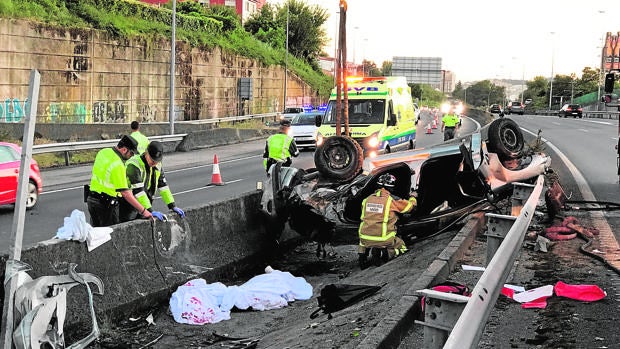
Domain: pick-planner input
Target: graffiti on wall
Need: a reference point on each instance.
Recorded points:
(109, 112)
(67, 113)
(12, 110)
(147, 113)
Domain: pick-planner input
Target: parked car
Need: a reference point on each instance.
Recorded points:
(303, 129)
(574, 110)
(495, 109)
(515, 108)
(448, 180)
(10, 157)
(289, 113)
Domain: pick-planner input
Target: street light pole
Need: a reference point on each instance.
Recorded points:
(288, 4)
(552, 56)
(172, 64)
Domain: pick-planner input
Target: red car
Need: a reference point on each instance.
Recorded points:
(10, 156)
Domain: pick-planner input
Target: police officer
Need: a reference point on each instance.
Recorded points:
(143, 142)
(109, 183)
(449, 122)
(377, 231)
(145, 175)
(280, 147)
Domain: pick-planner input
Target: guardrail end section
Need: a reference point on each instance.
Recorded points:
(441, 311)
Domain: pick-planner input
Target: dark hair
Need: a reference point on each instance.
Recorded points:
(135, 125)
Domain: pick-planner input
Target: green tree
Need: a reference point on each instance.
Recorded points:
(485, 93)
(306, 36)
(386, 68)
(459, 91)
(370, 68)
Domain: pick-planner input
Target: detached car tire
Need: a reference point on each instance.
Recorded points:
(505, 139)
(339, 157)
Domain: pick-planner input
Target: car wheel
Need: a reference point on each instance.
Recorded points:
(505, 139)
(33, 196)
(339, 157)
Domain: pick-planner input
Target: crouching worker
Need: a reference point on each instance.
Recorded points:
(377, 231)
(145, 175)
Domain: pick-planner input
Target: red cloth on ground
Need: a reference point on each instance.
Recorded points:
(588, 293)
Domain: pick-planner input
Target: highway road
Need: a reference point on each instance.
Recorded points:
(188, 174)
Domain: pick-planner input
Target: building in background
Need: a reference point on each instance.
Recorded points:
(244, 8)
(424, 70)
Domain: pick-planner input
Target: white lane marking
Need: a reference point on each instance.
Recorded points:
(208, 186)
(211, 164)
(583, 129)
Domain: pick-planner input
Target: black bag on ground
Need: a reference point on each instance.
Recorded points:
(336, 297)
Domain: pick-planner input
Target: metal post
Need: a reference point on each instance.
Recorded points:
(498, 226)
(520, 193)
(551, 87)
(441, 312)
(172, 64)
(17, 232)
(288, 4)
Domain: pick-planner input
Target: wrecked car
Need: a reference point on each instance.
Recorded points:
(449, 180)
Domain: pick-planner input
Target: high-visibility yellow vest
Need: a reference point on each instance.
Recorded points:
(109, 175)
(143, 142)
(278, 147)
(149, 180)
(450, 120)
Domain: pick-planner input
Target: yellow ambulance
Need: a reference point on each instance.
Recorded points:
(382, 117)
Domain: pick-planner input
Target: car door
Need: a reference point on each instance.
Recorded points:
(9, 170)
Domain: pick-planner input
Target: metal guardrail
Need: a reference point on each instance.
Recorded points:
(603, 114)
(68, 147)
(465, 318)
(275, 116)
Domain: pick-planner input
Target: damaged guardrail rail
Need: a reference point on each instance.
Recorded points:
(454, 321)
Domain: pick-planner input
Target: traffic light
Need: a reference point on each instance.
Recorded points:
(606, 99)
(609, 82)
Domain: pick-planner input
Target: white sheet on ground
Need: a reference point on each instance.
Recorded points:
(198, 303)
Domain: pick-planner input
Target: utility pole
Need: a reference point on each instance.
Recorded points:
(172, 64)
(288, 5)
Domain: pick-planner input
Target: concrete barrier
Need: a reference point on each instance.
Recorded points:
(144, 262)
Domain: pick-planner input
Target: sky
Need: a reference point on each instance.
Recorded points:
(479, 39)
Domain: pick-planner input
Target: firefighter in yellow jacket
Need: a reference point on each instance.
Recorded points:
(377, 231)
(145, 176)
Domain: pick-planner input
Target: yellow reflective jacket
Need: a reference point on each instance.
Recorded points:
(145, 181)
(379, 215)
(109, 176)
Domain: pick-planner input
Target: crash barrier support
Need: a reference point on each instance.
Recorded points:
(444, 310)
(498, 226)
(145, 261)
(520, 193)
(467, 330)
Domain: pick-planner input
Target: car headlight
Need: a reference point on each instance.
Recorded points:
(373, 141)
(319, 139)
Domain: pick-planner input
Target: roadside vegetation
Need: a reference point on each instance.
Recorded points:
(203, 27)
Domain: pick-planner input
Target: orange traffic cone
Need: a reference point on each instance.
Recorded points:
(428, 129)
(434, 123)
(216, 178)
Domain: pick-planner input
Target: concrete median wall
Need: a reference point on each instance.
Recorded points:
(144, 262)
